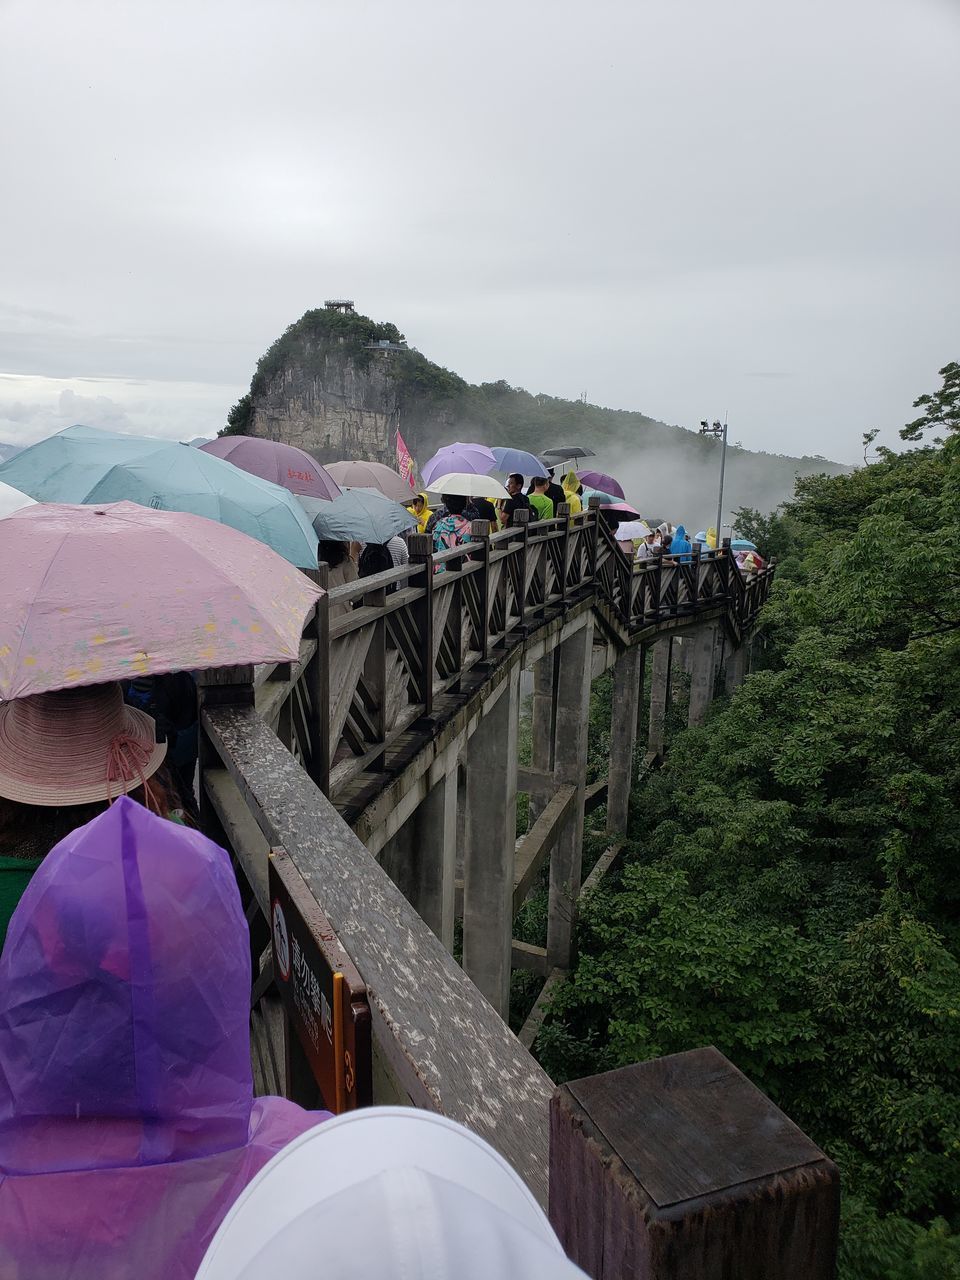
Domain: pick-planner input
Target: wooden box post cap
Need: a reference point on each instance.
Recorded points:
(681, 1169)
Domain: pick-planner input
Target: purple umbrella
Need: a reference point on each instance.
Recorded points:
(476, 459)
(599, 480)
(283, 464)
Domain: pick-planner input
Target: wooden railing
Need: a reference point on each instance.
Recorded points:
(400, 645)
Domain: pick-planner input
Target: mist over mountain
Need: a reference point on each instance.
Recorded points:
(340, 385)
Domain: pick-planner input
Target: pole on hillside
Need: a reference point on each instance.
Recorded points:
(719, 429)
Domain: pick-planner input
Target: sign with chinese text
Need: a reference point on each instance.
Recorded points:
(322, 992)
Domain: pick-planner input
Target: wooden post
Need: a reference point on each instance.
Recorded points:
(480, 533)
(317, 679)
(521, 521)
(420, 550)
(681, 1169)
(218, 687)
(375, 666)
(563, 511)
(593, 506)
(656, 586)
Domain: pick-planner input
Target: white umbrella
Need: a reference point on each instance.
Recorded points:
(468, 486)
(630, 530)
(12, 500)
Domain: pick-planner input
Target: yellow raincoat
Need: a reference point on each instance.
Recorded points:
(570, 486)
(712, 538)
(423, 515)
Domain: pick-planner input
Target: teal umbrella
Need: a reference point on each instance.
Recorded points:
(358, 515)
(84, 465)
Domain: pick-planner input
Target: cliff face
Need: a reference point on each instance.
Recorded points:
(327, 404)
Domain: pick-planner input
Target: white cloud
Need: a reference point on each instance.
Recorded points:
(32, 408)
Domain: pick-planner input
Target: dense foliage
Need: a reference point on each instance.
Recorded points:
(792, 890)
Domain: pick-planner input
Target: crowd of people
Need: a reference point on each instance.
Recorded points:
(449, 524)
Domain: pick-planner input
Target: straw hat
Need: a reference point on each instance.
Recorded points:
(75, 746)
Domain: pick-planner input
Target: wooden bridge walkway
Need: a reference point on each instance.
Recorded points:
(368, 793)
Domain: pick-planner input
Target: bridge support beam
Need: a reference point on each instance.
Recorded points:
(573, 713)
(627, 684)
(659, 692)
(734, 668)
(702, 676)
(421, 858)
(543, 725)
(490, 843)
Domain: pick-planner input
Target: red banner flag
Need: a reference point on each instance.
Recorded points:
(405, 464)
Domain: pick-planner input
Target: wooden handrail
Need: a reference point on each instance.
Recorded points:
(480, 1075)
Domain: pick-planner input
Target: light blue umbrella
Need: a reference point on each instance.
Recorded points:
(741, 544)
(84, 465)
(525, 464)
(358, 515)
(606, 499)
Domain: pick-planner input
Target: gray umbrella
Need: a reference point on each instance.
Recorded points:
(358, 515)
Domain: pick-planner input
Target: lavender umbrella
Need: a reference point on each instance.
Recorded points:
(476, 459)
(600, 480)
(282, 464)
(128, 1124)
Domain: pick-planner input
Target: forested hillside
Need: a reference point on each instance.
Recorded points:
(791, 891)
(322, 386)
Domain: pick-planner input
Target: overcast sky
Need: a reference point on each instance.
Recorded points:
(685, 207)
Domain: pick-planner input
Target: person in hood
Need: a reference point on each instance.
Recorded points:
(680, 544)
(420, 508)
(128, 1124)
(393, 1193)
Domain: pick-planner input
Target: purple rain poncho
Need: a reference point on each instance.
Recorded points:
(128, 1124)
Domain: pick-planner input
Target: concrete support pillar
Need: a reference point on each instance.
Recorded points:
(702, 677)
(434, 862)
(573, 713)
(683, 653)
(627, 679)
(543, 723)
(659, 692)
(420, 858)
(491, 833)
(734, 668)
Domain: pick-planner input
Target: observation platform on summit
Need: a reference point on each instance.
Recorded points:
(368, 793)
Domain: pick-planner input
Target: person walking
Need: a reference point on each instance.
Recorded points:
(518, 500)
(540, 500)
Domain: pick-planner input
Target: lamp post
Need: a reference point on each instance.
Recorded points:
(718, 429)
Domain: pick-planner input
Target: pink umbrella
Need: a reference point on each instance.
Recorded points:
(282, 464)
(622, 509)
(92, 594)
(371, 475)
(475, 459)
(600, 480)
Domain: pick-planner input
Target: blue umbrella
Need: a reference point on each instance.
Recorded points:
(741, 544)
(84, 465)
(606, 499)
(518, 460)
(358, 515)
